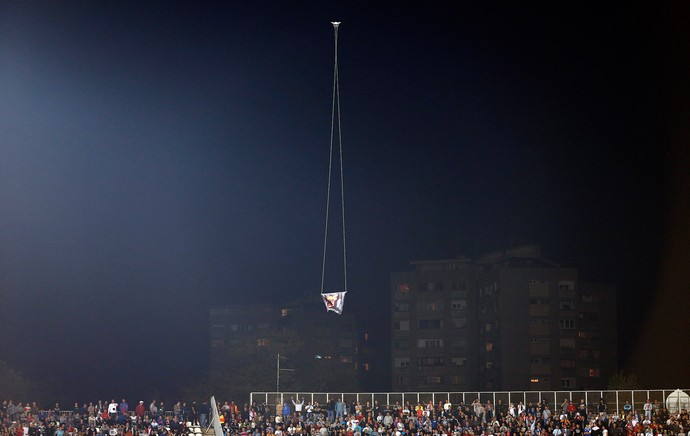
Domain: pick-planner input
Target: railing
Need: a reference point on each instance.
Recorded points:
(673, 399)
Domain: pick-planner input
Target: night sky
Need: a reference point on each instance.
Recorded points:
(158, 159)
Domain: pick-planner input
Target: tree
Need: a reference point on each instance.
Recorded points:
(13, 384)
(622, 381)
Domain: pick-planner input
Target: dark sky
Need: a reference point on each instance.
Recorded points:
(157, 159)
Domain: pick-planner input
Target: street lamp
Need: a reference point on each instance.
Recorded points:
(278, 369)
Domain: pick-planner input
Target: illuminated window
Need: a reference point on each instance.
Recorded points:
(594, 372)
(432, 306)
(489, 346)
(345, 359)
(262, 342)
(284, 312)
(429, 343)
(534, 380)
(403, 288)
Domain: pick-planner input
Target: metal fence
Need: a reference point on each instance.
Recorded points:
(673, 399)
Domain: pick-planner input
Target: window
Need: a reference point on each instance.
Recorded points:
(459, 361)
(567, 363)
(284, 312)
(568, 343)
(404, 288)
(429, 343)
(218, 343)
(567, 324)
(401, 306)
(346, 359)
(458, 285)
(400, 380)
(430, 380)
(594, 372)
(401, 345)
(430, 361)
(458, 380)
(566, 305)
(401, 325)
(217, 330)
(401, 362)
(458, 304)
(425, 324)
(459, 323)
(432, 306)
(434, 286)
(489, 346)
(567, 382)
(459, 342)
(589, 298)
(566, 285)
(262, 342)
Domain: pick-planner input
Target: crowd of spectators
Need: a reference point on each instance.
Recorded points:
(346, 418)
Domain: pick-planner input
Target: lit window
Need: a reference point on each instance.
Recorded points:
(261, 342)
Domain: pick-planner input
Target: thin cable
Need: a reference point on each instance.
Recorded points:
(335, 109)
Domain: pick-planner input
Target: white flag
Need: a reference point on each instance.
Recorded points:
(334, 301)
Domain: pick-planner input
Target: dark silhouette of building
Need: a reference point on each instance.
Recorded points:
(509, 320)
(318, 350)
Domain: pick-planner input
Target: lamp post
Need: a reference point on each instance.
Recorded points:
(278, 369)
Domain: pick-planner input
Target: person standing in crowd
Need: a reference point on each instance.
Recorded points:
(204, 412)
(153, 409)
(140, 410)
(194, 413)
(298, 406)
(112, 411)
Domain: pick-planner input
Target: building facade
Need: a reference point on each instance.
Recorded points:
(295, 346)
(509, 320)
